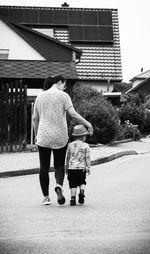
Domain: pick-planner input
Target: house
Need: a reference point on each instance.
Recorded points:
(31, 56)
(139, 78)
(93, 31)
(113, 97)
(141, 83)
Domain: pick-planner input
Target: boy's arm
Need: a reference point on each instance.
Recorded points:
(67, 160)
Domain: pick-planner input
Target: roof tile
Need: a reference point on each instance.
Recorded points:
(36, 69)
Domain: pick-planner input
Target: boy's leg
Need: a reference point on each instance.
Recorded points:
(73, 192)
(81, 195)
(72, 178)
(82, 187)
(73, 196)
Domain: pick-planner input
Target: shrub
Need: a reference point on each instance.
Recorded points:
(134, 111)
(92, 106)
(129, 130)
(146, 126)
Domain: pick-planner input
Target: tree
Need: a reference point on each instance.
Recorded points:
(122, 87)
(91, 105)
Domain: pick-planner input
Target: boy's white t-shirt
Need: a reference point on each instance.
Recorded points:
(78, 155)
(50, 107)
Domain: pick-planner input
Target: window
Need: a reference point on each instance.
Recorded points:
(4, 53)
(47, 31)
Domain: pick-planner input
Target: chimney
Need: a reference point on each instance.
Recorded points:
(65, 5)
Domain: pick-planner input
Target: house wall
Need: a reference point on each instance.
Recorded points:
(136, 82)
(144, 88)
(100, 86)
(18, 48)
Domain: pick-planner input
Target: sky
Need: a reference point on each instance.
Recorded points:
(134, 28)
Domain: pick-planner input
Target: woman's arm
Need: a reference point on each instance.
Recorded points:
(73, 114)
(35, 124)
(35, 120)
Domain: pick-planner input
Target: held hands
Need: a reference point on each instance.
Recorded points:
(35, 139)
(66, 170)
(90, 129)
(88, 171)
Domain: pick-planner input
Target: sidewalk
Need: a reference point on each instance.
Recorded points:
(24, 163)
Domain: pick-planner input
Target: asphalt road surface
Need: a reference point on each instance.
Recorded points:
(115, 218)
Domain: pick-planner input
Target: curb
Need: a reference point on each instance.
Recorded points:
(93, 163)
(120, 141)
(113, 157)
(112, 143)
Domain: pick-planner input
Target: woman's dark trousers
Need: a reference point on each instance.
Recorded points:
(59, 165)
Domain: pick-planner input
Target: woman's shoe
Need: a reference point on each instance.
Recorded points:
(46, 201)
(60, 198)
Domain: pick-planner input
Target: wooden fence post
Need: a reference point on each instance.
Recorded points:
(25, 117)
(13, 116)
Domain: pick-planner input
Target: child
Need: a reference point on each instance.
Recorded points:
(78, 163)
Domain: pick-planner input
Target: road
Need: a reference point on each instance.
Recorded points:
(114, 220)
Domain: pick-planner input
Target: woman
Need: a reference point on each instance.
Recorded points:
(51, 132)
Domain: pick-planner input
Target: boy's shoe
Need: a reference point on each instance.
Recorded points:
(81, 198)
(46, 201)
(60, 198)
(73, 201)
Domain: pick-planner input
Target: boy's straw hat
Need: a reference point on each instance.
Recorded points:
(79, 130)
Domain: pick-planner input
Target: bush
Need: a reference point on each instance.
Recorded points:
(134, 111)
(137, 111)
(129, 130)
(146, 126)
(92, 106)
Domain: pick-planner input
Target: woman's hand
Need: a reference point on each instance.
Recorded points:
(90, 129)
(88, 171)
(66, 171)
(35, 139)
(81, 120)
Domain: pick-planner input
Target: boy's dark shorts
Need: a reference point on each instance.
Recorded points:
(76, 177)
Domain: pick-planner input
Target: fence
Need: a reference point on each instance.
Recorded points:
(13, 116)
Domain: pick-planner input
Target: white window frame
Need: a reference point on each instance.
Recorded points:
(4, 53)
(47, 31)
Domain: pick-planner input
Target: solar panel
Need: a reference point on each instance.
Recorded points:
(76, 33)
(60, 17)
(90, 17)
(91, 33)
(4, 12)
(104, 18)
(83, 24)
(14, 15)
(75, 17)
(30, 16)
(105, 33)
(45, 16)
